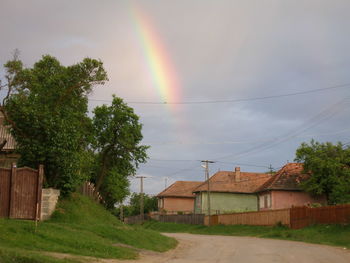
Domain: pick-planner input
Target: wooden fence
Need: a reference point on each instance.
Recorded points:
(136, 219)
(88, 189)
(20, 192)
(304, 216)
(295, 217)
(193, 219)
(259, 218)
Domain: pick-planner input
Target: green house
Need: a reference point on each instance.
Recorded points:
(230, 191)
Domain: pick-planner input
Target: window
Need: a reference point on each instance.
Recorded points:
(265, 201)
(160, 203)
(198, 201)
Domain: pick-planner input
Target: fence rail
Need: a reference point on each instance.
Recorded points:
(20, 192)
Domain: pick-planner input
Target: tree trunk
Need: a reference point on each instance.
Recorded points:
(103, 171)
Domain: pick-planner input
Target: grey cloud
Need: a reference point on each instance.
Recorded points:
(220, 50)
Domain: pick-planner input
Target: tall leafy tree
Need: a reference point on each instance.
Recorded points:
(329, 167)
(47, 107)
(117, 137)
(150, 204)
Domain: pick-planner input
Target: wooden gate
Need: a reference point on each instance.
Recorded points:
(20, 192)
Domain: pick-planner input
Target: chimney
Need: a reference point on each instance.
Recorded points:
(237, 174)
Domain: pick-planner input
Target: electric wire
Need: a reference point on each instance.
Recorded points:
(153, 144)
(233, 100)
(322, 116)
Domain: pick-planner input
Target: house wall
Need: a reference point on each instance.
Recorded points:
(287, 199)
(176, 204)
(226, 203)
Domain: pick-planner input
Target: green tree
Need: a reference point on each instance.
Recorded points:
(150, 204)
(329, 167)
(114, 188)
(47, 108)
(117, 137)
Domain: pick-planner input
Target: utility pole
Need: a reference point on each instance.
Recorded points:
(121, 212)
(271, 169)
(141, 198)
(206, 167)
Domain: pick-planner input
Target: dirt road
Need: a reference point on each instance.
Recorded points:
(222, 249)
(230, 249)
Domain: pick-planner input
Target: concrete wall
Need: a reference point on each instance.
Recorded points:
(177, 204)
(49, 200)
(226, 203)
(287, 199)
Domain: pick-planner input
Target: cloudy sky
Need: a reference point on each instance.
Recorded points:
(228, 65)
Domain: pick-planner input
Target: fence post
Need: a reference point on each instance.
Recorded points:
(39, 189)
(12, 184)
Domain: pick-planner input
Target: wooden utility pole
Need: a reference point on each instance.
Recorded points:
(141, 198)
(121, 212)
(206, 167)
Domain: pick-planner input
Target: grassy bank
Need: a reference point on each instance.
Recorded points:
(334, 235)
(79, 227)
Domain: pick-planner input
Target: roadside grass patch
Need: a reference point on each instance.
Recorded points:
(333, 235)
(23, 256)
(78, 227)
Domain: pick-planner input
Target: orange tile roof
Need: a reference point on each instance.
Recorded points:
(180, 189)
(287, 178)
(224, 181)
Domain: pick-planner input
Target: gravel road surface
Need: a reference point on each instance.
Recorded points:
(224, 249)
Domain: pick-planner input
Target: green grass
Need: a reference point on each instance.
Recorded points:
(79, 227)
(23, 256)
(334, 235)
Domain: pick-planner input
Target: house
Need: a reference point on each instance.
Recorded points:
(8, 144)
(230, 191)
(283, 189)
(178, 197)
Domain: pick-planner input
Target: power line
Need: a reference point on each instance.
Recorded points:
(233, 100)
(167, 160)
(245, 164)
(153, 144)
(322, 116)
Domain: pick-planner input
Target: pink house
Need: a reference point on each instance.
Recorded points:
(178, 197)
(283, 189)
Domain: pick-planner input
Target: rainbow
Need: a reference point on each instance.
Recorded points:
(161, 69)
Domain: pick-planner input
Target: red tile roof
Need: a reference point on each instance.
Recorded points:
(224, 181)
(287, 178)
(180, 189)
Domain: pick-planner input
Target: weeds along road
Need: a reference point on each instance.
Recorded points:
(222, 249)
